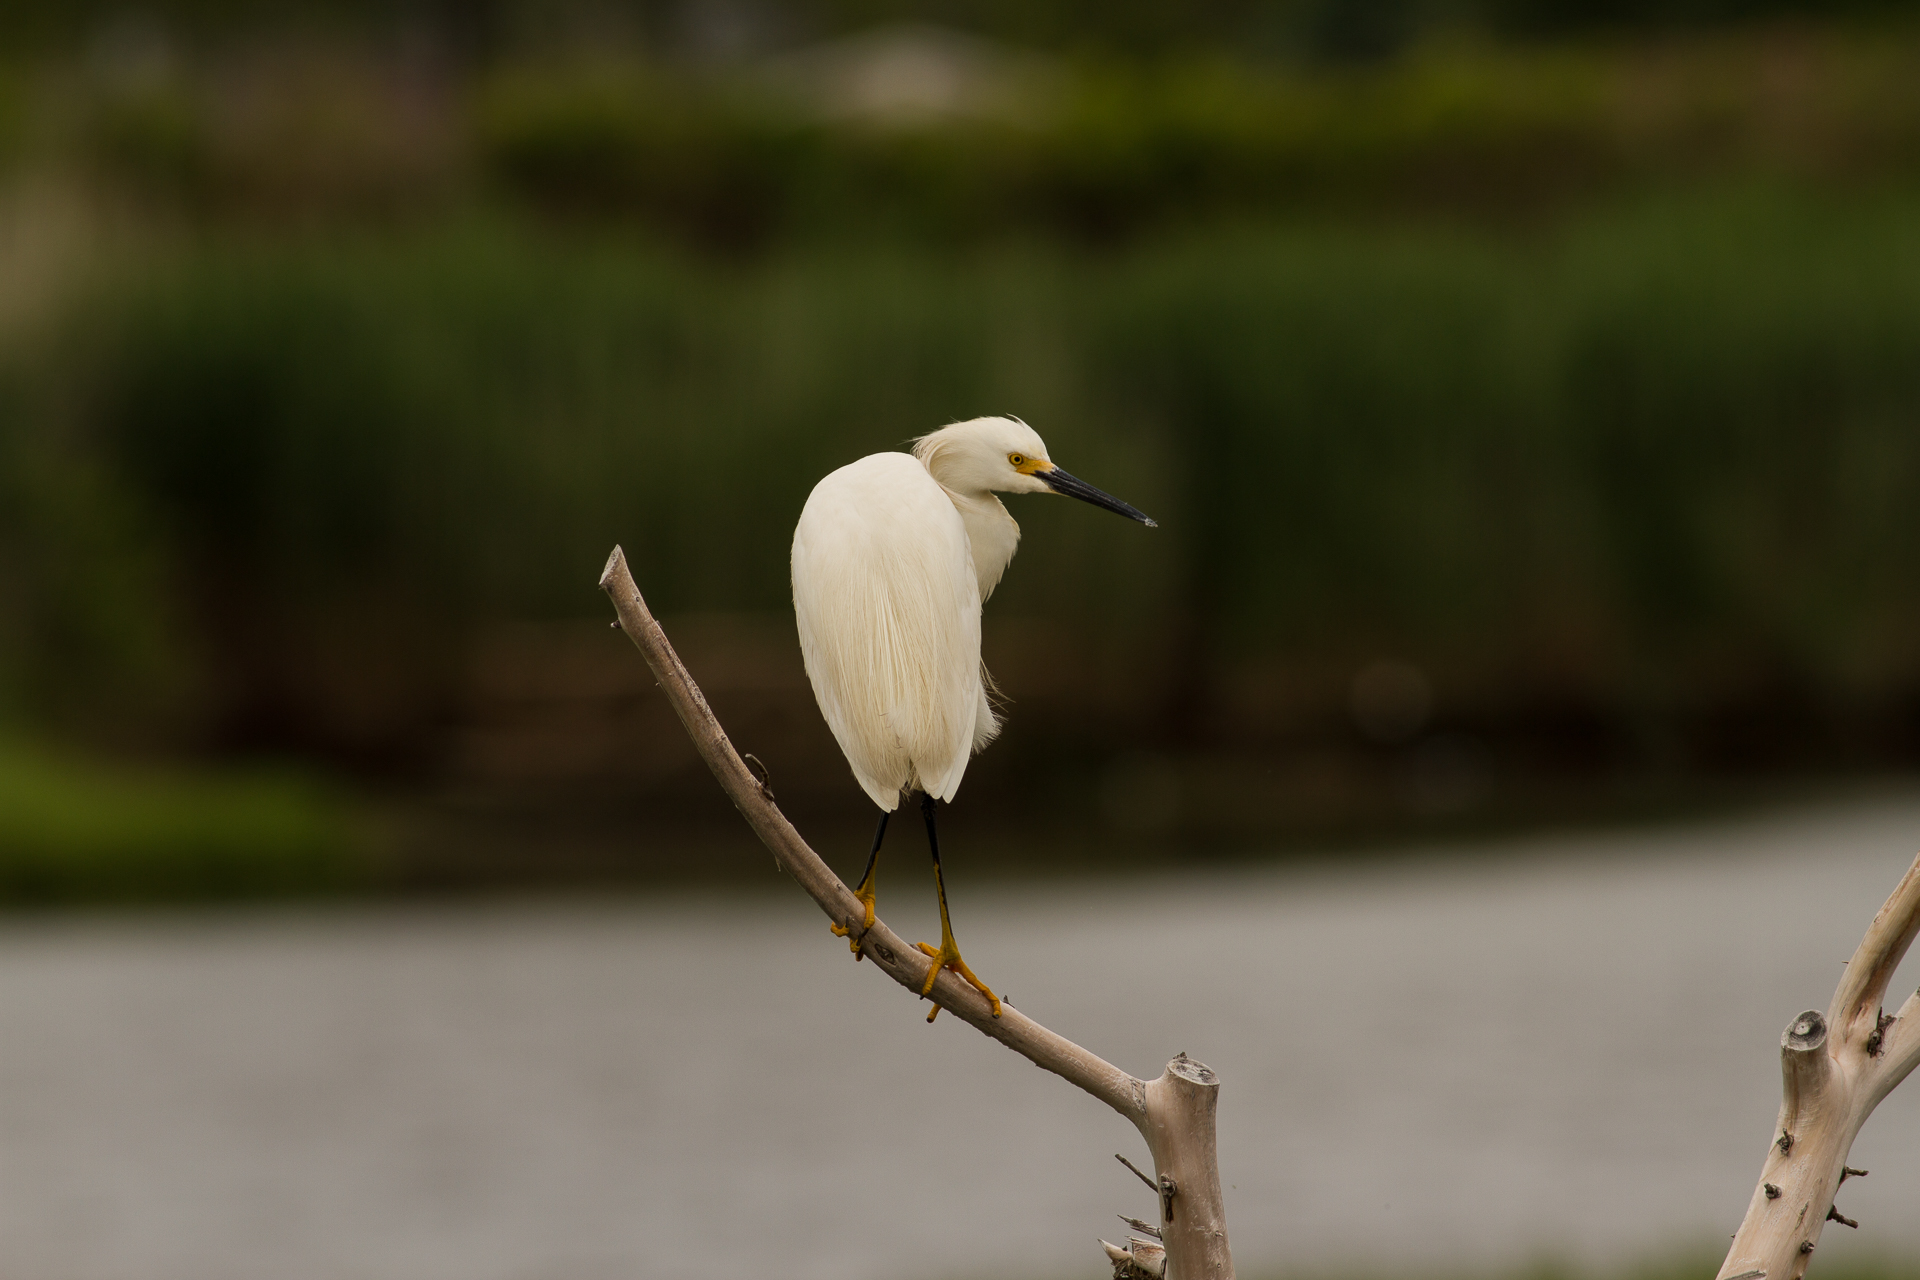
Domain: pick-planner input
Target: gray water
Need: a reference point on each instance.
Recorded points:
(1568, 1050)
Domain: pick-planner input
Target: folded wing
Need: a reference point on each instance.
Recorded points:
(888, 608)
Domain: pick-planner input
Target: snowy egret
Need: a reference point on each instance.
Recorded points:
(892, 559)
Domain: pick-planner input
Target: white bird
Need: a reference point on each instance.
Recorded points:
(893, 558)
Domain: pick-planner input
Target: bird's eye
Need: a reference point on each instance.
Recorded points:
(1015, 459)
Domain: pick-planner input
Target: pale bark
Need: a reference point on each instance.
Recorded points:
(1834, 1070)
(1175, 1113)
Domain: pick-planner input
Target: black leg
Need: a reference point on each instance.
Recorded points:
(864, 892)
(927, 803)
(879, 834)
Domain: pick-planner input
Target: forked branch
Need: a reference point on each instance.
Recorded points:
(1174, 1113)
(1835, 1070)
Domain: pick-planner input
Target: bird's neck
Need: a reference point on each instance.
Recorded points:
(991, 533)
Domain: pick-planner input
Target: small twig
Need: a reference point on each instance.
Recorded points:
(1151, 1184)
(761, 773)
(1846, 1172)
(1144, 1228)
(1834, 1215)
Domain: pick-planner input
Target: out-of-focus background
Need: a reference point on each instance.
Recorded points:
(1528, 392)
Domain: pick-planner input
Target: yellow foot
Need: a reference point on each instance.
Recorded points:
(948, 957)
(841, 931)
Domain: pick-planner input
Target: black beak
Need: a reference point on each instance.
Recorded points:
(1074, 487)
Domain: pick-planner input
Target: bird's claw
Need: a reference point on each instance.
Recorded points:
(853, 941)
(948, 957)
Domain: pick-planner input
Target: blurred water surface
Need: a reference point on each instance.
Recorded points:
(1566, 1049)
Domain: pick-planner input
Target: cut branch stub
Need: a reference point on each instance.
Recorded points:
(1180, 1132)
(1806, 1073)
(1834, 1070)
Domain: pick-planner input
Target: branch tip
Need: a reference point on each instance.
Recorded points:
(1807, 1033)
(614, 561)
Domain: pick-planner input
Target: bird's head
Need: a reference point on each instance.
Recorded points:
(1005, 455)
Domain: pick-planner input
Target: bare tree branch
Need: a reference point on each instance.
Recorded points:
(1174, 1113)
(1863, 988)
(1835, 1069)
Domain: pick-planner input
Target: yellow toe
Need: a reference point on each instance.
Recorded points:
(842, 931)
(948, 957)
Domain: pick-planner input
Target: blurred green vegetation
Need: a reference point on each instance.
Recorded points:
(1631, 493)
(1577, 385)
(1325, 29)
(1094, 151)
(745, 158)
(77, 830)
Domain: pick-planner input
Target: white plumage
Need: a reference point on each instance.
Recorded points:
(893, 558)
(889, 616)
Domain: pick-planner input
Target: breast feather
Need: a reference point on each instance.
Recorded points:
(888, 609)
